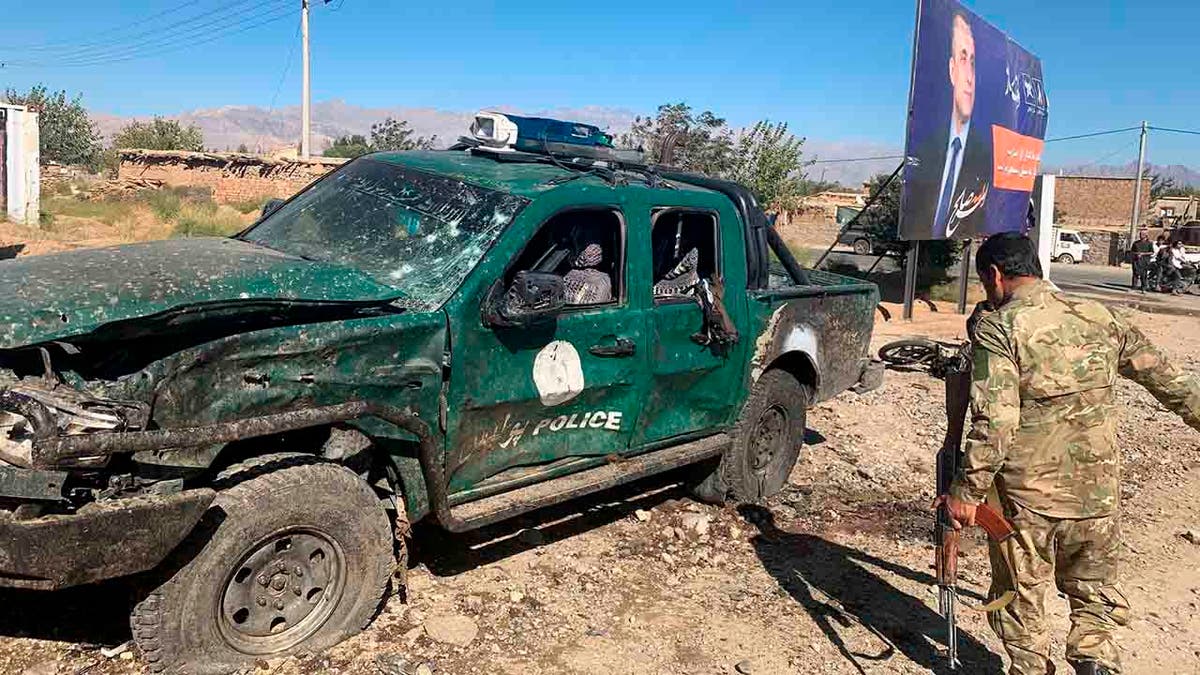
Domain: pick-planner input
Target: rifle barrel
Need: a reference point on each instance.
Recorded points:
(952, 630)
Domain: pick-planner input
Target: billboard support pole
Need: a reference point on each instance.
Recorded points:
(964, 275)
(870, 201)
(910, 279)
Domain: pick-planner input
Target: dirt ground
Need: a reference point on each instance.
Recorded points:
(833, 577)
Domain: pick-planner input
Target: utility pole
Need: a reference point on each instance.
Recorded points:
(305, 121)
(1137, 187)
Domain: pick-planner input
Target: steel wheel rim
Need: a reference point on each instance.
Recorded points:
(770, 435)
(908, 354)
(283, 589)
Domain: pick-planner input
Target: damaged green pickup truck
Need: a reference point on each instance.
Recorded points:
(248, 426)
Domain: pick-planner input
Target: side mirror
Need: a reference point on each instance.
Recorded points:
(532, 298)
(270, 207)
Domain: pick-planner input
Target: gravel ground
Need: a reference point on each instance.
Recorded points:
(833, 576)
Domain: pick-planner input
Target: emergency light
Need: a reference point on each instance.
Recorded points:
(538, 134)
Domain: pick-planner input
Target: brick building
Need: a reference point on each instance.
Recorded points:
(232, 177)
(1103, 202)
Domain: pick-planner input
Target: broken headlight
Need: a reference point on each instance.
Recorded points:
(31, 412)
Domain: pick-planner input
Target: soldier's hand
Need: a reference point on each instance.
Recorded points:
(962, 514)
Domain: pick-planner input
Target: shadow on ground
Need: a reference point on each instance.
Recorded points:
(866, 618)
(890, 282)
(447, 555)
(97, 614)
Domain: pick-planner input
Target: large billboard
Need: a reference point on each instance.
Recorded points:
(976, 124)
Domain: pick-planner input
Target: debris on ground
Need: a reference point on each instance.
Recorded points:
(832, 575)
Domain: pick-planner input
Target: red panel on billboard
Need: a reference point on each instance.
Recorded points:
(1017, 159)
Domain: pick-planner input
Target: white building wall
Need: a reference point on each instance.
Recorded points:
(22, 160)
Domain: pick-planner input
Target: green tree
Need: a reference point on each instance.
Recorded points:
(159, 134)
(243, 149)
(770, 161)
(392, 135)
(1160, 186)
(67, 134)
(812, 187)
(348, 146)
(883, 219)
(678, 137)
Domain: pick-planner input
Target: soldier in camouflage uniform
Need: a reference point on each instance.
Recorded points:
(1042, 440)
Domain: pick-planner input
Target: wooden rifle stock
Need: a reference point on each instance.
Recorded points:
(998, 529)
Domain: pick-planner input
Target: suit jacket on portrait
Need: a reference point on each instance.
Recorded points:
(924, 178)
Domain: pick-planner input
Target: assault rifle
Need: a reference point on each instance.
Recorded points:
(958, 396)
(951, 363)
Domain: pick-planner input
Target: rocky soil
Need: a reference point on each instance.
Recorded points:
(832, 576)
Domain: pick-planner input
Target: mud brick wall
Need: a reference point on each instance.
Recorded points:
(1091, 201)
(1107, 247)
(231, 177)
(54, 175)
(803, 229)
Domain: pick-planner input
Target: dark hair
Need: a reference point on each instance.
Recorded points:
(1015, 255)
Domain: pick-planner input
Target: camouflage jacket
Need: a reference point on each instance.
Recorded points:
(1042, 412)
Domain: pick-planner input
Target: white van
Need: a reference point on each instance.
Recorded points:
(1068, 246)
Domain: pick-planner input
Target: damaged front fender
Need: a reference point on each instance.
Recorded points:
(57, 551)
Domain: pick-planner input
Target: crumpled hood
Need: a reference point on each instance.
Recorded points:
(51, 297)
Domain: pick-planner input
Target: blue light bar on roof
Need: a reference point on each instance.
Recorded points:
(536, 134)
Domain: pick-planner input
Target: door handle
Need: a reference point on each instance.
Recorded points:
(622, 347)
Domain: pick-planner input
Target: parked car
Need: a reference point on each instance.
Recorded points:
(1069, 247)
(252, 424)
(866, 241)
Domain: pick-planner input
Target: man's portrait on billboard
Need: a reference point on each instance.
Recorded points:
(950, 173)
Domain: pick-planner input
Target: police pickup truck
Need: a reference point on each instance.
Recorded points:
(248, 426)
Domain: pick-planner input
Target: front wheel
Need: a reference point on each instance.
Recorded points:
(767, 440)
(1066, 259)
(298, 558)
(862, 246)
(909, 352)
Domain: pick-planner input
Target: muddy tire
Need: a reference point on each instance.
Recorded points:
(296, 559)
(767, 440)
(911, 352)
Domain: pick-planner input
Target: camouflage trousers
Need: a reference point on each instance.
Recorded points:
(1079, 559)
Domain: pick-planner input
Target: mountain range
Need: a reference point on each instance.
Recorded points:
(267, 129)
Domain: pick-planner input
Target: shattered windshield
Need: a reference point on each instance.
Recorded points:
(418, 232)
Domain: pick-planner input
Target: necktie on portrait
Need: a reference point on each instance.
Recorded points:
(943, 210)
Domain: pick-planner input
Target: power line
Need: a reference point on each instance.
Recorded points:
(1098, 161)
(165, 34)
(857, 160)
(1176, 131)
(82, 39)
(165, 38)
(1049, 140)
(287, 66)
(1093, 134)
(174, 43)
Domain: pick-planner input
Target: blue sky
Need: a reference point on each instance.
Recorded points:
(832, 70)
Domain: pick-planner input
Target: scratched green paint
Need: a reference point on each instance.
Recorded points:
(53, 296)
(669, 388)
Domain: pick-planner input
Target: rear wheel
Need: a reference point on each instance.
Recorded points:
(908, 352)
(767, 441)
(299, 558)
(862, 246)
(1066, 259)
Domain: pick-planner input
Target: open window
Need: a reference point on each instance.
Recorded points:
(586, 247)
(684, 249)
